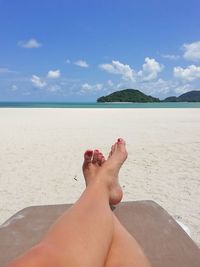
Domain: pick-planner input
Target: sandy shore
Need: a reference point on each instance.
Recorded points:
(41, 155)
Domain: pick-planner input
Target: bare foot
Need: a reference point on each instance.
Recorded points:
(93, 160)
(95, 167)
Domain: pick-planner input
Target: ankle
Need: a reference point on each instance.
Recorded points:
(100, 184)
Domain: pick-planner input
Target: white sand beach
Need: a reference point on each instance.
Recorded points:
(41, 152)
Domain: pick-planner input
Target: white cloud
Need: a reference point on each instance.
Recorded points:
(81, 63)
(190, 73)
(150, 69)
(170, 56)
(53, 74)
(110, 83)
(192, 51)
(88, 88)
(37, 82)
(165, 88)
(14, 87)
(158, 88)
(181, 89)
(6, 71)
(119, 68)
(32, 43)
(54, 88)
(68, 61)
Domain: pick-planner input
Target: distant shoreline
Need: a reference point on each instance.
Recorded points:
(146, 102)
(94, 105)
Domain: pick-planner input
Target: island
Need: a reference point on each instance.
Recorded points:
(136, 96)
(128, 95)
(192, 96)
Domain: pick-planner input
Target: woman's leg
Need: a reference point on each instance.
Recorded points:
(124, 250)
(83, 235)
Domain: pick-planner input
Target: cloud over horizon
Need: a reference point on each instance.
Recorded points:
(119, 68)
(89, 88)
(37, 81)
(54, 74)
(32, 43)
(170, 56)
(189, 73)
(150, 69)
(81, 63)
(192, 51)
(146, 78)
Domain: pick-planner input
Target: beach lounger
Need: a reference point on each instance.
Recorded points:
(163, 240)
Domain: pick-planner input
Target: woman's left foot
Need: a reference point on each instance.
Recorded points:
(93, 161)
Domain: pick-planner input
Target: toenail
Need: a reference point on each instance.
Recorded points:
(89, 152)
(119, 140)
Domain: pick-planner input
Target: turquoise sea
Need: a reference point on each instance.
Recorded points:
(97, 105)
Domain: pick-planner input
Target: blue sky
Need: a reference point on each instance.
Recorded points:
(67, 50)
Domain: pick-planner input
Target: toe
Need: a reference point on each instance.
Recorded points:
(115, 146)
(95, 156)
(120, 143)
(99, 158)
(121, 146)
(103, 160)
(88, 156)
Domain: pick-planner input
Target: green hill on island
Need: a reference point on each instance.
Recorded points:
(133, 95)
(128, 95)
(192, 96)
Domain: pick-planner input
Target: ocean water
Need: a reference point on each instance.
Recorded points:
(97, 105)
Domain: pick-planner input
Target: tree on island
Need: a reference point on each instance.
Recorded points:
(128, 95)
(136, 96)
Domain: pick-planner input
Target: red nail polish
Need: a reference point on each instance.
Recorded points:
(119, 140)
(90, 152)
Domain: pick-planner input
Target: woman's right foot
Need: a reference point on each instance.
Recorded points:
(107, 170)
(112, 165)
